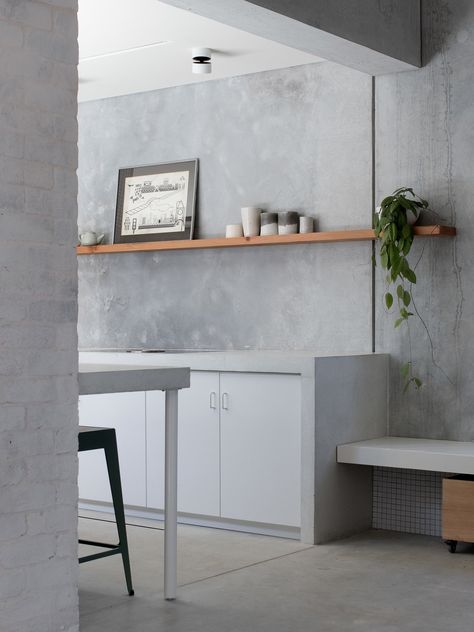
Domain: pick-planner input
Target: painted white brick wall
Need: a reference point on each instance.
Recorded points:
(38, 296)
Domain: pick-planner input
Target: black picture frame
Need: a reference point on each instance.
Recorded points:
(156, 202)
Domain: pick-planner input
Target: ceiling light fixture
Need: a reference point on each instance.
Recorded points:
(202, 61)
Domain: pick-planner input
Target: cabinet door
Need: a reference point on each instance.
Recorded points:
(198, 446)
(260, 447)
(126, 413)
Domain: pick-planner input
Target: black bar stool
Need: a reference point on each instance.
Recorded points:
(105, 439)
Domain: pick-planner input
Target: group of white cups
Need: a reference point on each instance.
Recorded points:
(256, 221)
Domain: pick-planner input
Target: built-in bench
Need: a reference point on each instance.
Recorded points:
(414, 454)
(427, 455)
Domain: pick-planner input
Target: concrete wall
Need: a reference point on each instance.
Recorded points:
(425, 126)
(38, 280)
(300, 138)
(296, 138)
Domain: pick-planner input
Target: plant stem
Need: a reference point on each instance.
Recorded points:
(433, 358)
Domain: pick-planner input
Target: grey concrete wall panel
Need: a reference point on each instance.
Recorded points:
(343, 493)
(425, 123)
(368, 35)
(290, 139)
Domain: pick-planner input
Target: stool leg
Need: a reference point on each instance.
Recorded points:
(113, 469)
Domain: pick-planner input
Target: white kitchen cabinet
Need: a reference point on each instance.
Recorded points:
(198, 446)
(350, 406)
(260, 447)
(126, 413)
(238, 447)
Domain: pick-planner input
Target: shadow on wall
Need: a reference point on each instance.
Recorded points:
(438, 24)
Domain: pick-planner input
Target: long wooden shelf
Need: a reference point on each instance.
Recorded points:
(364, 234)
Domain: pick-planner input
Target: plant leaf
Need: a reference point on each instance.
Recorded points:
(386, 201)
(407, 204)
(388, 300)
(407, 246)
(398, 322)
(394, 255)
(409, 275)
(406, 298)
(396, 269)
(405, 370)
(400, 291)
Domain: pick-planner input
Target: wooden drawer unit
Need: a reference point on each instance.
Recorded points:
(458, 510)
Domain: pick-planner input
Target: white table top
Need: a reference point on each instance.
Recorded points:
(110, 378)
(433, 455)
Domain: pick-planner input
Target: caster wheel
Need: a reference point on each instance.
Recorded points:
(452, 545)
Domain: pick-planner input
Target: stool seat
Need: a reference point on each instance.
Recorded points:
(96, 438)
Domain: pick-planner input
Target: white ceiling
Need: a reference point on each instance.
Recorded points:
(128, 46)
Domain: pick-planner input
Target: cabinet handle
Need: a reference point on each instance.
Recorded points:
(212, 400)
(225, 401)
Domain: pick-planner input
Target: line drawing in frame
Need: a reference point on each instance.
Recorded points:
(156, 202)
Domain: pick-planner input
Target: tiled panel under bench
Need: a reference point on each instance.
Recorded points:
(407, 500)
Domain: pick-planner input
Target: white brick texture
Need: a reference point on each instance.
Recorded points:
(38, 313)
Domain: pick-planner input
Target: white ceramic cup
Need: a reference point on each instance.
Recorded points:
(269, 223)
(251, 220)
(287, 222)
(306, 224)
(234, 230)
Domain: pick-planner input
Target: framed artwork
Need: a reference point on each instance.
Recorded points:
(156, 202)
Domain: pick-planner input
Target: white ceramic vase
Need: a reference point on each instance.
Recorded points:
(251, 220)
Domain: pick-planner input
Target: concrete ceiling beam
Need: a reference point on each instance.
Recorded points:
(367, 35)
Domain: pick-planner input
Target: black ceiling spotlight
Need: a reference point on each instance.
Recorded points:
(202, 61)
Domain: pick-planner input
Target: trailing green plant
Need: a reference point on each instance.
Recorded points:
(395, 233)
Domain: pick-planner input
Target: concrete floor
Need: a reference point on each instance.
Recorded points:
(233, 582)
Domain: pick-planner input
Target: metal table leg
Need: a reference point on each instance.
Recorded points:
(171, 492)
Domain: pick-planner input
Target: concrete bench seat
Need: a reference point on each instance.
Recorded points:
(414, 454)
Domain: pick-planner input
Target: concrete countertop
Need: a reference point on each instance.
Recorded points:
(297, 363)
